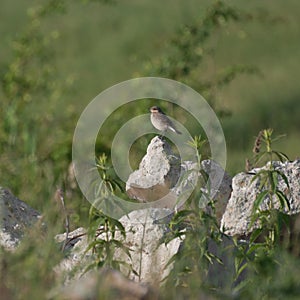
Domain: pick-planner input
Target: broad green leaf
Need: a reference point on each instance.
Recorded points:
(259, 199)
(284, 202)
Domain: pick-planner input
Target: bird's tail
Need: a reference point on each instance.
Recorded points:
(175, 130)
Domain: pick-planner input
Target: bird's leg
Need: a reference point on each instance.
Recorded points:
(162, 135)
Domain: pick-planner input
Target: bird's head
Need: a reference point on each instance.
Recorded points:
(155, 109)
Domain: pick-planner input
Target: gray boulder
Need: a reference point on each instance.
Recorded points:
(15, 218)
(237, 217)
(166, 182)
(158, 172)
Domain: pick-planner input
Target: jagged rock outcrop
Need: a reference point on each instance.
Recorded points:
(149, 256)
(158, 172)
(158, 166)
(237, 217)
(161, 176)
(144, 237)
(15, 218)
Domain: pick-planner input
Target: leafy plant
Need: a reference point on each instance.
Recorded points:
(268, 179)
(103, 230)
(268, 220)
(197, 227)
(265, 137)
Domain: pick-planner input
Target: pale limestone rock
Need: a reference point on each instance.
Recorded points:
(149, 256)
(165, 182)
(237, 217)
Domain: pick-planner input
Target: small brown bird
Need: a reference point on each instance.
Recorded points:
(160, 121)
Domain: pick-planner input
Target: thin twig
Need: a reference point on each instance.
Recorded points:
(60, 196)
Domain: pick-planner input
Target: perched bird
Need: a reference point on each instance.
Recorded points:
(160, 121)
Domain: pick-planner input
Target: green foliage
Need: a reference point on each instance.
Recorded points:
(269, 177)
(268, 185)
(197, 227)
(191, 51)
(29, 270)
(259, 261)
(198, 143)
(271, 275)
(265, 137)
(103, 241)
(109, 184)
(37, 124)
(31, 95)
(190, 265)
(102, 228)
(259, 256)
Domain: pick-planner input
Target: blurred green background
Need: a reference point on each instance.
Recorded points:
(57, 56)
